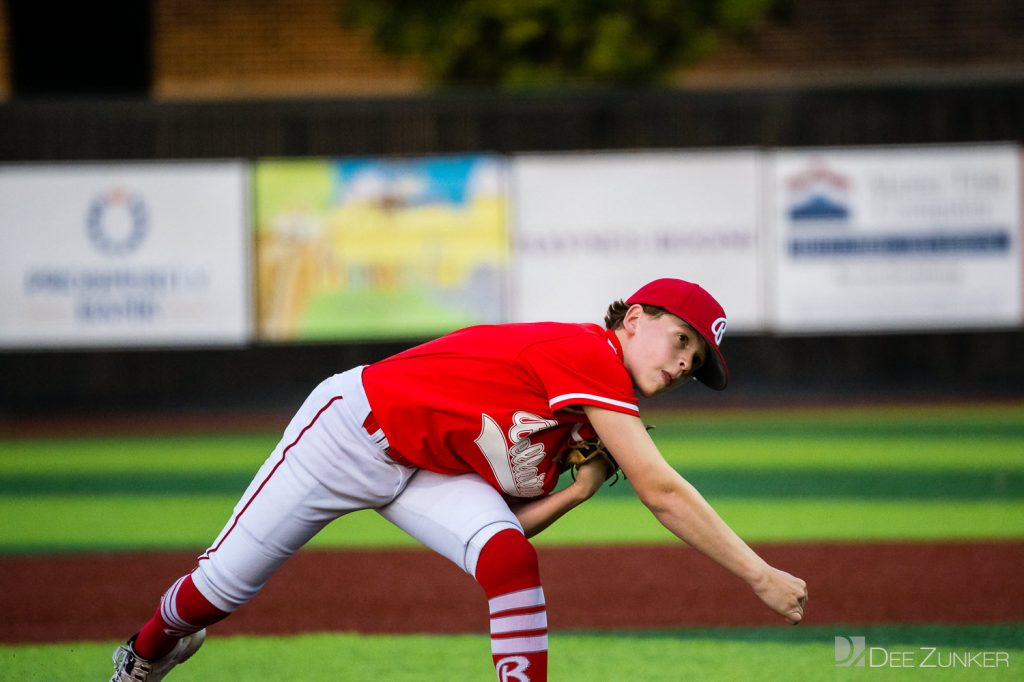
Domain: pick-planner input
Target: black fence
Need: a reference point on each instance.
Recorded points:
(472, 122)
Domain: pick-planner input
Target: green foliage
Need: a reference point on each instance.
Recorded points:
(538, 43)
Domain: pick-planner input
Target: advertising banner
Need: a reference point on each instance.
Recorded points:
(899, 238)
(376, 249)
(592, 228)
(133, 254)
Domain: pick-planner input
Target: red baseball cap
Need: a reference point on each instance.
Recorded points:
(700, 310)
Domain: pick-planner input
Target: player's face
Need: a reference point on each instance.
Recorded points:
(662, 353)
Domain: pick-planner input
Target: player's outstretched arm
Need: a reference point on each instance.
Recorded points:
(684, 511)
(537, 514)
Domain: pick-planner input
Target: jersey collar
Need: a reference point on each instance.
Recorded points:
(613, 341)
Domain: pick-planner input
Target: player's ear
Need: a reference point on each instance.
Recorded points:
(632, 317)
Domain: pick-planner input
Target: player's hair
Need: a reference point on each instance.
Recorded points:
(617, 311)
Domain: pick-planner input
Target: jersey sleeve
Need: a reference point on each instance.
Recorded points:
(581, 369)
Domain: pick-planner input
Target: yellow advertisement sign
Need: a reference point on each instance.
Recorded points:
(372, 249)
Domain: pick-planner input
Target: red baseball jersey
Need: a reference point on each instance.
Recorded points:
(501, 400)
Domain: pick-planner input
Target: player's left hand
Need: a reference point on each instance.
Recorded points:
(591, 475)
(783, 593)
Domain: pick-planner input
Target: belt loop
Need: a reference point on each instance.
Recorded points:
(370, 424)
(372, 428)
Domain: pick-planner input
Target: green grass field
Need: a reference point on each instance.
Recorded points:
(787, 475)
(651, 656)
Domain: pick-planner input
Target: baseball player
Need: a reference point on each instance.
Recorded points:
(459, 442)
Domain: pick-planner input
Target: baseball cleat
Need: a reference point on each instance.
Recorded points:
(130, 667)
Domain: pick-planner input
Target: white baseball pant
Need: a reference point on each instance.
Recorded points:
(327, 465)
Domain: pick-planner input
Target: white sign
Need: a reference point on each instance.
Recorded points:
(896, 238)
(590, 229)
(100, 255)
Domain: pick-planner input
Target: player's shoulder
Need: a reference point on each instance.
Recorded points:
(557, 331)
(517, 338)
(584, 340)
(533, 330)
(563, 328)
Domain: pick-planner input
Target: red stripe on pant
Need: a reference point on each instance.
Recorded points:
(284, 453)
(183, 609)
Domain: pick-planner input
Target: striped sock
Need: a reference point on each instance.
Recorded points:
(519, 636)
(182, 611)
(508, 572)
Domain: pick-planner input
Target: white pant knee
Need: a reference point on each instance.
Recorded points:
(225, 595)
(453, 515)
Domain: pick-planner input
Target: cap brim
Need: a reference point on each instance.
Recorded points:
(715, 373)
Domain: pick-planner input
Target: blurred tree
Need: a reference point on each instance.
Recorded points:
(538, 43)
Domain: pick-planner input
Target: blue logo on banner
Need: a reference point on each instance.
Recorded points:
(819, 194)
(819, 208)
(117, 222)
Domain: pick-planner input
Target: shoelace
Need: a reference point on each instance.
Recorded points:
(125, 660)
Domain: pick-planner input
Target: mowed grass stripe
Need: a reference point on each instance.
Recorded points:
(56, 523)
(156, 453)
(126, 483)
(943, 436)
(807, 520)
(966, 420)
(856, 484)
(167, 455)
(896, 454)
(765, 483)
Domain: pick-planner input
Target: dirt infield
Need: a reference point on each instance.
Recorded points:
(107, 596)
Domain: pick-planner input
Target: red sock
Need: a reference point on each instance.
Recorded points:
(182, 611)
(508, 572)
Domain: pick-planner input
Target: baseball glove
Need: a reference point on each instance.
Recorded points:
(588, 450)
